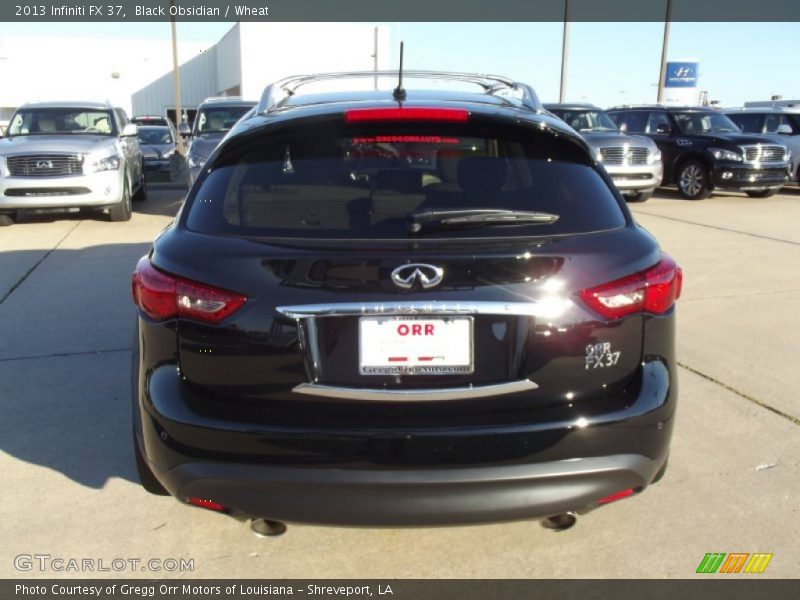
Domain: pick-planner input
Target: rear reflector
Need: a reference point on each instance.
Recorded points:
(654, 291)
(209, 504)
(163, 296)
(616, 496)
(360, 115)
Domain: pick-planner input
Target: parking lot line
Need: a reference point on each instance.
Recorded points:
(65, 451)
(729, 230)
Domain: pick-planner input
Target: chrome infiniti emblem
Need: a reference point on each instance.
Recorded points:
(44, 164)
(427, 276)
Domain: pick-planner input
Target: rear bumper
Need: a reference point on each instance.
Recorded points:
(418, 497)
(417, 476)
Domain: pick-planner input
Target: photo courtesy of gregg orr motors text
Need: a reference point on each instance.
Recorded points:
(187, 589)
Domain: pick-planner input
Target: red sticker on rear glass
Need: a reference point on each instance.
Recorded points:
(405, 139)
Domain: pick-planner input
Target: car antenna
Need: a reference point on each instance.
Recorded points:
(399, 94)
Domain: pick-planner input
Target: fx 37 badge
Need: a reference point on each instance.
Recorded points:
(600, 356)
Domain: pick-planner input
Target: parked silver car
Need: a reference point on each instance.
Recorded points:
(70, 155)
(633, 161)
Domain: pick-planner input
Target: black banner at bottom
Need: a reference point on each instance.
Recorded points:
(402, 589)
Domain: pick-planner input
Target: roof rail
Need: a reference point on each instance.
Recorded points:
(216, 98)
(565, 105)
(641, 105)
(276, 93)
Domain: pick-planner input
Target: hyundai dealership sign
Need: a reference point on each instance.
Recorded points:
(681, 74)
(680, 82)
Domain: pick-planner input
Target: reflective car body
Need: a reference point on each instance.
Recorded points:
(377, 311)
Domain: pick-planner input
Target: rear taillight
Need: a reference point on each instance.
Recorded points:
(359, 115)
(162, 296)
(617, 496)
(653, 291)
(205, 503)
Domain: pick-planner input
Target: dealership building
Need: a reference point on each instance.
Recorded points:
(252, 55)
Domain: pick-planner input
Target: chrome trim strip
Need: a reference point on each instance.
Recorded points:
(412, 395)
(537, 308)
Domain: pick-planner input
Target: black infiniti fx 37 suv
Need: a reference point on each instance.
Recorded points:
(403, 308)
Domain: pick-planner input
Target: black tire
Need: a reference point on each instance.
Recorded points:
(123, 210)
(141, 193)
(762, 193)
(639, 197)
(146, 477)
(6, 220)
(693, 181)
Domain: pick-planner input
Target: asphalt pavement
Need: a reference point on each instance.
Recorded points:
(69, 488)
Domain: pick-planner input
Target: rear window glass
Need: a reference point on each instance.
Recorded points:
(634, 121)
(370, 184)
(748, 122)
(773, 122)
(219, 119)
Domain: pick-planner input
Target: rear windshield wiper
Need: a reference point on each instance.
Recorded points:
(476, 217)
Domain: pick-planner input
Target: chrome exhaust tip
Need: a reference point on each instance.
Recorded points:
(267, 528)
(560, 522)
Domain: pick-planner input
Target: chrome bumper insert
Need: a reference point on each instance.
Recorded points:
(415, 395)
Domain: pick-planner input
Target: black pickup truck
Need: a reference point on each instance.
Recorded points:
(704, 150)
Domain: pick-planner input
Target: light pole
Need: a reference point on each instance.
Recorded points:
(375, 53)
(562, 94)
(176, 81)
(663, 74)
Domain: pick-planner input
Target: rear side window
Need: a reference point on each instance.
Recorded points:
(775, 121)
(218, 119)
(748, 122)
(369, 184)
(634, 121)
(658, 119)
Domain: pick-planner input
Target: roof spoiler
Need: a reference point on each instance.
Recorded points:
(277, 93)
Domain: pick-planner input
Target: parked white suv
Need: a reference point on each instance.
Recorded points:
(70, 155)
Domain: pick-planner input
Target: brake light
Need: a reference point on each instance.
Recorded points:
(616, 496)
(360, 115)
(653, 291)
(163, 296)
(204, 503)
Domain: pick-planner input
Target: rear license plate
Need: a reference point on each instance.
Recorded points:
(415, 346)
